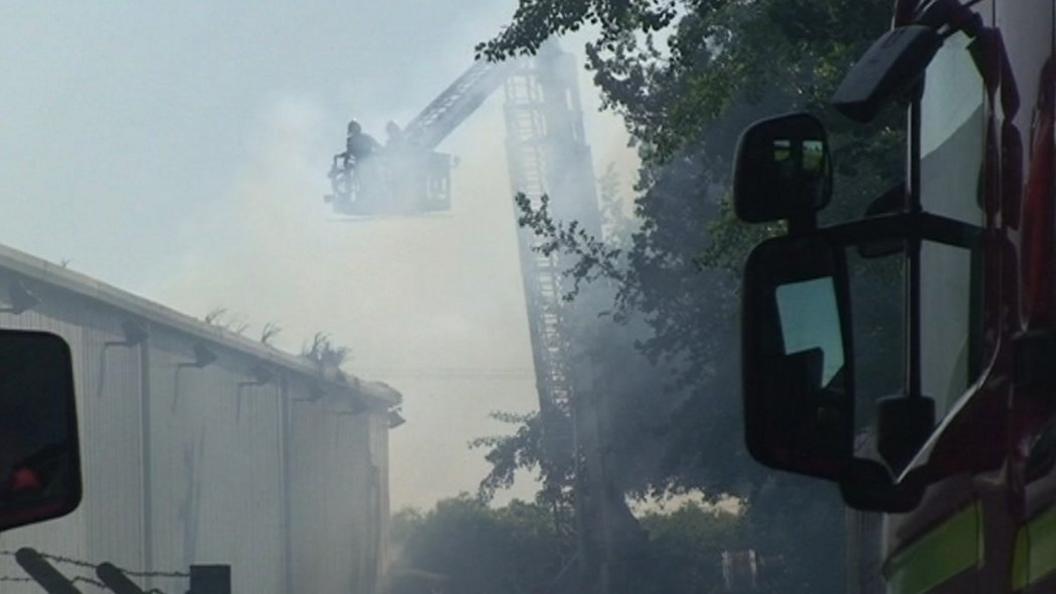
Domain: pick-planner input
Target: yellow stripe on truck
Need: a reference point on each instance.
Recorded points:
(952, 547)
(1035, 554)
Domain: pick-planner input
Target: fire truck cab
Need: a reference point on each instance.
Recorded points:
(959, 453)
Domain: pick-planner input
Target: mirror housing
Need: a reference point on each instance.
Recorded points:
(890, 68)
(797, 367)
(783, 170)
(868, 486)
(40, 470)
(903, 425)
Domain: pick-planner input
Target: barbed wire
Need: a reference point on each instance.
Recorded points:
(102, 586)
(87, 580)
(156, 574)
(88, 565)
(74, 580)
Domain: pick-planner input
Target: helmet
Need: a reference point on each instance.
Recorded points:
(354, 128)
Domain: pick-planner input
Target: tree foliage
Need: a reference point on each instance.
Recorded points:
(467, 547)
(523, 450)
(686, 546)
(464, 546)
(687, 77)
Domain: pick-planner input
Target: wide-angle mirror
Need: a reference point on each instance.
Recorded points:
(783, 170)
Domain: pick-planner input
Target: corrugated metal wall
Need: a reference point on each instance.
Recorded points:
(284, 479)
(316, 467)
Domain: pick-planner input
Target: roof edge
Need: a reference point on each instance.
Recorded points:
(44, 272)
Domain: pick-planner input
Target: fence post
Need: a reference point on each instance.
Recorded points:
(43, 573)
(116, 580)
(210, 579)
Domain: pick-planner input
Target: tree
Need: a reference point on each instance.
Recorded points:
(721, 65)
(686, 547)
(727, 63)
(464, 546)
(523, 450)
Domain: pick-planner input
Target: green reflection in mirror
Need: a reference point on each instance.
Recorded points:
(813, 156)
(800, 162)
(782, 150)
(810, 320)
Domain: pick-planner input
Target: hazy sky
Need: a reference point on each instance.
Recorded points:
(180, 151)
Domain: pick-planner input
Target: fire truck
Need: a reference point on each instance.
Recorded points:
(958, 458)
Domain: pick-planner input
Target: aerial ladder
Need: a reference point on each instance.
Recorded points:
(547, 154)
(407, 176)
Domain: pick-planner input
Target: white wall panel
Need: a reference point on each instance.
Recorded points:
(285, 489)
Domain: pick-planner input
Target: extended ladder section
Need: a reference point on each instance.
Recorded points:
(456, 103)
(547, 155)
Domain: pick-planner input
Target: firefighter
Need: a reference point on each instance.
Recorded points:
(394, 135)
(358, 145)
(347, 167)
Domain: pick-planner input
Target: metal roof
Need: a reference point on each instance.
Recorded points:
(49, 274)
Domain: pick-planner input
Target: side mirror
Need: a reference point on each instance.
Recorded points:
(783, 170)
(40, 470)
(798, 379)
(891, 67)
(797, 364)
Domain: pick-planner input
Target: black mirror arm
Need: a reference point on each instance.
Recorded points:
(953, 15)
(904, 225)
(803, 223)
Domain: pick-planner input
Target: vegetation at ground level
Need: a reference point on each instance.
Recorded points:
(465, 546)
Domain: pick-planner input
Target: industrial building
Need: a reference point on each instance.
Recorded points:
(200, 446)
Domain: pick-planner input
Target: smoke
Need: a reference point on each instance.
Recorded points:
(433, 305)
(187, 171)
